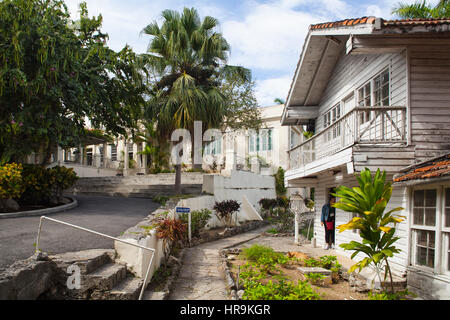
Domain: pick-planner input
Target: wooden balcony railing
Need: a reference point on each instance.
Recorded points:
(362, 125)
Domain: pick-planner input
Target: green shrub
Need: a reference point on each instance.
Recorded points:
(281, 290)
(11, 183)
(199, 219)
(36, 184)
(280, 189)
(257, 251)
(161, 199)
(60, 179)
(400, 295)
(315, 278)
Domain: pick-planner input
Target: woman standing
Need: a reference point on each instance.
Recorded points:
(327, 220)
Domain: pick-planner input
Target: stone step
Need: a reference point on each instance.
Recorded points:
(153, 295)
(128, 289)
(134, 188)
(87, 260)
(107, 276)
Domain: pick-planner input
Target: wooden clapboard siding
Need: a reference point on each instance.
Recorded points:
(352, 71)
(430, 98)
(398, 199)
(391, 159)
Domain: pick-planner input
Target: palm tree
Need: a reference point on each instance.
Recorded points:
(187, 56)
(278, 101)
(423, 10)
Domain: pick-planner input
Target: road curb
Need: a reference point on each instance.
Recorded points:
(40, 212)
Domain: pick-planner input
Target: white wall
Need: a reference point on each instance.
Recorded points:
(398, 199)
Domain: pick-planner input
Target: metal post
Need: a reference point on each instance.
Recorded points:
(39, 234)
(309, 225)
(189, 225)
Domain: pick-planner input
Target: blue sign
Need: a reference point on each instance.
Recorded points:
(183, 210)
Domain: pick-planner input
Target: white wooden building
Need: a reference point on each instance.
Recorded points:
(377, 94)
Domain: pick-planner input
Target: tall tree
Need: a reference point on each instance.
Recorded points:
(57, 73)
(423, 10)
(188, 55)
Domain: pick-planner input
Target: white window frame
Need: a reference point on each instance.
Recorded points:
(330, 117)
(261, 140)
(442, 233)
(367, 115)
(213, 147)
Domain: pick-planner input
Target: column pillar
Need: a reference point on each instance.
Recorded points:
(105, 153)
(125, 157)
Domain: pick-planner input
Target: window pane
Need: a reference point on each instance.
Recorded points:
(269, 140)
(430, 198)
(385, 76)
(448, 252)
(430, 216)
(430, 258)
(422, 238)
(447, 217)
(421, 256)
(418, 216)
(361, 97)
(419, 198)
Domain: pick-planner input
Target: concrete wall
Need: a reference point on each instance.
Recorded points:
(239, 183)
(90, 171)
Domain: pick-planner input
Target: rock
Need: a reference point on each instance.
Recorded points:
(240, 294)
(11, 204)
(173, 261)
(66, 200)
(231, 257)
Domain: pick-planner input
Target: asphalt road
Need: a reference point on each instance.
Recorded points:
(109, 215)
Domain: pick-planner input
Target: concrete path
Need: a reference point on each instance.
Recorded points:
(200, 277)
(109, 215)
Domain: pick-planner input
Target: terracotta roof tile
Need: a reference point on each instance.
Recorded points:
(429, 169)
(385, 23)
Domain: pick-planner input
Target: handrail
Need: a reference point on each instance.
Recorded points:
(341, 119)
(103, 235)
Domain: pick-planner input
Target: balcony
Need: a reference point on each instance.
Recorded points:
(382, 126)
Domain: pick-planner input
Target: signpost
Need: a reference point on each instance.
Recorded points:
(188, 211)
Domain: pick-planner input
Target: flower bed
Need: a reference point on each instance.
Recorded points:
(262, 274)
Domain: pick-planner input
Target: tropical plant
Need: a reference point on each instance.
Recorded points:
(60, 178)
(278, 101)
(11, 184)
(421, 9)
(170, 230)
(308, 134)
(280, 188)
(315, 278)
(225, 210)
(187, 56)
(161, 199)
(369, 202)
(280, 290)
(36, 185)
(199, 219)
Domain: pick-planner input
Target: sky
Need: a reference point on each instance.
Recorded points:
(265, 36)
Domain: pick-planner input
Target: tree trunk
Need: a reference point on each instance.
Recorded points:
(178, 178)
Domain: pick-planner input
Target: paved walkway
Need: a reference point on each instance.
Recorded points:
(200, 277)
(109, 215)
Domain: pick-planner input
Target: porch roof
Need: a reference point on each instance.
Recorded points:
(323, 46)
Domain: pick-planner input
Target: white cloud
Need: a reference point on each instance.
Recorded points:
(269, 89)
